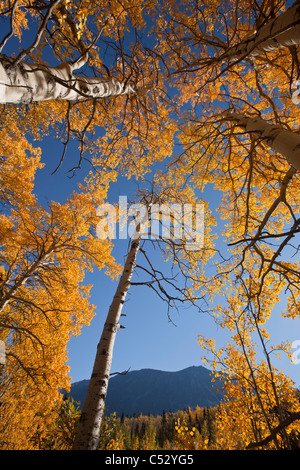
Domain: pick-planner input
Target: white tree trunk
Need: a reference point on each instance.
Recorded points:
(282, 31)
(87, 437)
(22, 83)
(283, 141)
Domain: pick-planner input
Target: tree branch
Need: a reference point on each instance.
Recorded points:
(281, 426)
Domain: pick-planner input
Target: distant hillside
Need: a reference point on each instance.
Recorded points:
(152, 391)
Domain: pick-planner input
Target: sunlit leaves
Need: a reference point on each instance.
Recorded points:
(45, 254)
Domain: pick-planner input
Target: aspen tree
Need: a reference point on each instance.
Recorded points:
(281, 140)
(77, 76)
(87, 436)
(278, 32)
(23, 83)
(45, 253)
(189, 265)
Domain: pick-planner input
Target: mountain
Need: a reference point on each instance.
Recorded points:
(152, 391)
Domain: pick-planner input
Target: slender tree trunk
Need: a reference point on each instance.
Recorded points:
(283, 141)
(282, 31)
(22, 83)
(88, 431)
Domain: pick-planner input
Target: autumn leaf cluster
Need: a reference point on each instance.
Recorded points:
(186, 128)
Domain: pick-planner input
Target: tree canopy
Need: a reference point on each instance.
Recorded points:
(193, 95)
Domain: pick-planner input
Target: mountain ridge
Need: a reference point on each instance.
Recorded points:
(152, 391)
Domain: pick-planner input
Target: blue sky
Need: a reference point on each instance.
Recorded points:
(149, 339)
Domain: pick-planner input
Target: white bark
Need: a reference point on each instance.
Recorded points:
(22, 83)
(282, 31)
(87, 437)
(283, 141)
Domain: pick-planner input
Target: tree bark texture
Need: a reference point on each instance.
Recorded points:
(283, 141)
(88, 431)
(282, 31)
(22, 83)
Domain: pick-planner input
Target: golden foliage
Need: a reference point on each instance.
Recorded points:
(46, 251)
